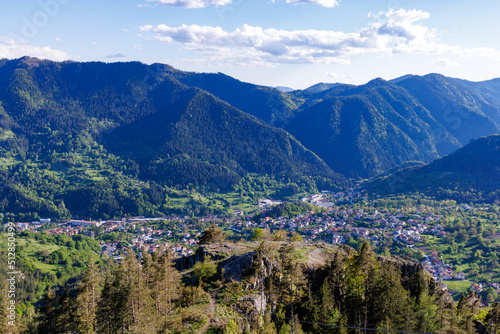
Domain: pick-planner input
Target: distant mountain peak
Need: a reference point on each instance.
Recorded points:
(401, 78)
(377, 82)
(321, 86)
(284, 89)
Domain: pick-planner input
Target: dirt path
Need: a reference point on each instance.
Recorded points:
(212, 317)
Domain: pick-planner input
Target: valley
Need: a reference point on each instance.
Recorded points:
(277, 207)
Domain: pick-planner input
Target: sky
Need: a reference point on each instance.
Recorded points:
(292, 43)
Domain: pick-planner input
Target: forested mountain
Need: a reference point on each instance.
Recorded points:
(76, 133)
(405, 119)
(460, 110)
(489, 90)
(369, 129)
(472, 173)
(269, 104)
(195, 137)
(320, 87)
(81, 136)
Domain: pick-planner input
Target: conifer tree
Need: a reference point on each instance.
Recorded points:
(426, 315)
(89, 291)
(360, 279)
(389, 302)
(467, 308)
(107, 313)
(493, 319)
(165, 289)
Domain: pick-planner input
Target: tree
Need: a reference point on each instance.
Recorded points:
(493, 319)
(467, 308)
(279, 235)
(87, 299)
(211, 235)
(296, 237)
(260, 234)
(205, 271)
(166, 286)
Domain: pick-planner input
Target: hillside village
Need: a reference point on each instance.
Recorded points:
(335, 224)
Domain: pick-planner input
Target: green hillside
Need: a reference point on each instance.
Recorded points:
(470, 174)
(103, 140)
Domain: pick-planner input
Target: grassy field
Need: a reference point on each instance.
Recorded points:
(31, 248)
(458, 286)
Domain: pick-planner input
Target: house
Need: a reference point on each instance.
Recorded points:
(84, 223)
(476, 287)
(22, 226)
(460, 276)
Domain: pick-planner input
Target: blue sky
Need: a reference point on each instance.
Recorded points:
(293, 43)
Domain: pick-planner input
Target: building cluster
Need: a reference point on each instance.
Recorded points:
(439, 270)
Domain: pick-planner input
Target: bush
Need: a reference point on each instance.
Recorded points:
(191, 295)
(205, 271)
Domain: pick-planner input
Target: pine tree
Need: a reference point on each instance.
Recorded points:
(87, 299)
(360, 275)
(467, 308)
(389, 303)
(165, 289)
(493, 319)
(107, 313)
(48, 313)
(336, 279)
(446, 315)
(426, 313)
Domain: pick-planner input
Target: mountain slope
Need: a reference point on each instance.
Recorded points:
(369, 129)
(469, 174)
(489, 90)
(460, 110)
(78, 135)
(269, 104)
(200, 137)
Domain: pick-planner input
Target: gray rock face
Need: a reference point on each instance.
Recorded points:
(258, 301)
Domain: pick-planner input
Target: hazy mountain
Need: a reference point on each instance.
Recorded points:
(322, 86)
(489, 90)
(284, 89)
(460, 110)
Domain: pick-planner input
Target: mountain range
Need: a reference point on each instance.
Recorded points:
(361, 131)
(72, 131)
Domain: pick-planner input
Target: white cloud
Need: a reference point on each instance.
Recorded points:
(444, 62)
(192, 3)
(11, 48)
(117, 55)
(391, 32)
(324, 3)
(337, 76)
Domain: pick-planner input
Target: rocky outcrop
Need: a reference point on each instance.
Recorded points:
(237, 265)
(480, 327)
(187, 262)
